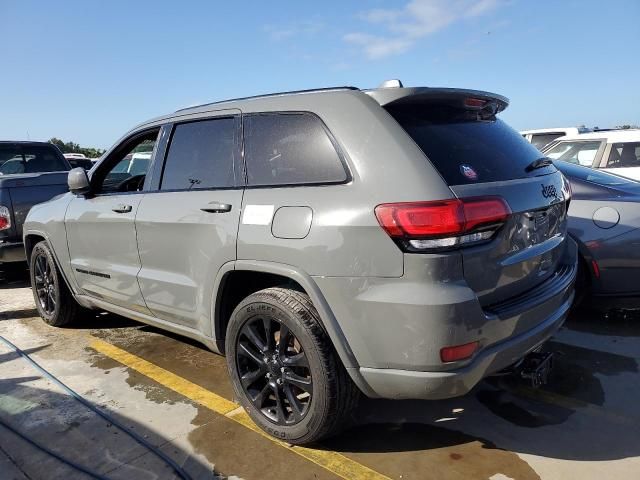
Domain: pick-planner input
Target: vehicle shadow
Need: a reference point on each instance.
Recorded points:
(62, 424)
(490, 418)
(14, 276)
(612, 324)
(19, 313)
(564, 420)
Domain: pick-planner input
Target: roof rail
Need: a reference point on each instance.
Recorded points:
(292, 92)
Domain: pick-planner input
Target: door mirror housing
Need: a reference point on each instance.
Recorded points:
(78, 181)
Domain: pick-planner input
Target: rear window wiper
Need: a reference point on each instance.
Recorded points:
(539, 163)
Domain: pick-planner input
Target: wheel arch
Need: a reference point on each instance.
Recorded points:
(30, 241)
(33, 237)
(238, 279)
(273, 274)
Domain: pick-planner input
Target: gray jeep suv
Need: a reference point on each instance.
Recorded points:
(400, 242)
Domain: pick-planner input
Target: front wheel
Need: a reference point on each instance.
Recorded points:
(54, 301)
(284, 369)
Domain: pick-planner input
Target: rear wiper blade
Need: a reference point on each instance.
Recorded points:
(539, 163)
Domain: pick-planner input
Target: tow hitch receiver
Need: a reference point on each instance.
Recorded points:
(536, 367)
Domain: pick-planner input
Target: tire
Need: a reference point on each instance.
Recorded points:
(313, 378)
(53, 300)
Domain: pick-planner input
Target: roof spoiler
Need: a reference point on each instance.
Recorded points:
(469, 99)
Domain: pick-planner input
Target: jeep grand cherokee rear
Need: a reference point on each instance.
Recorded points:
(488, 272)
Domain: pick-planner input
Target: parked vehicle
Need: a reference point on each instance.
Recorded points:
(79, 160)
(541, 137)
(85, 163)
(401, 242)
(617, 151)
(604, 218)
(30, 173)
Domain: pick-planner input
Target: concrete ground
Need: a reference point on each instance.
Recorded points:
(584, 425)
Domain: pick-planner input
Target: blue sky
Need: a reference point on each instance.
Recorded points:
(87, 70)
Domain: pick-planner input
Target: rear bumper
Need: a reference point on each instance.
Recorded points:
(12, 252)
(405, 384)
(396, 327)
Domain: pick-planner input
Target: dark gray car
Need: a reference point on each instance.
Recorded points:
(400, 242)
(30, 173)
(604, 218)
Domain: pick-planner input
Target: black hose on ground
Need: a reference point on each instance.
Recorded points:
(176, 468)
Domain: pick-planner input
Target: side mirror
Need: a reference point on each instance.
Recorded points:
(78, 181)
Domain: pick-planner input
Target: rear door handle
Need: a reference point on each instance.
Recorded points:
(122, 208)
(216, 207)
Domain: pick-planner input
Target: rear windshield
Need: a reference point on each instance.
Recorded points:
(17, 159)
(466, 149)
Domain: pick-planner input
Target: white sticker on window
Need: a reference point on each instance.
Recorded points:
(257, 214)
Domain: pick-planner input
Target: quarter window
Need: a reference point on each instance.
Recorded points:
(290, 149)
(201, 155)
(624, 155)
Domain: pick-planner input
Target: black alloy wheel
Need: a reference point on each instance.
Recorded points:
(274, 370)
(54, 301)
(44, 284)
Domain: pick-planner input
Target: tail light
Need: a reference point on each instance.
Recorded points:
(442, 224)
(5, 218)
(474, 102)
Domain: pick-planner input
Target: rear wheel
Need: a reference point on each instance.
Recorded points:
(54, 301)
(284, 370)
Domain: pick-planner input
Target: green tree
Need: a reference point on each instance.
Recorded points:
(71, 147)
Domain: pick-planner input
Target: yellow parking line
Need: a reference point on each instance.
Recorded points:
(334, 462)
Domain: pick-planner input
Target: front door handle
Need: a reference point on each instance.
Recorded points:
(122, 208)
(216, 207)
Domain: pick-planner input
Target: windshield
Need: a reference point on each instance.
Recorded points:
(17, 159)
(593, 176)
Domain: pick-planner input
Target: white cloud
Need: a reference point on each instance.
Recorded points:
(378, 47)
(417, 19)
(282, 32)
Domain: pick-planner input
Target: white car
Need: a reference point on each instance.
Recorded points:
(544, 136)
(74, 155)
(617, 151)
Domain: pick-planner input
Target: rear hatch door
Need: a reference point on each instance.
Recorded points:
(478, 155)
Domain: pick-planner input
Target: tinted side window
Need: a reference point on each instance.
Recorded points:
(201, 155)
(290, 149)
(624, 155)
